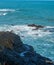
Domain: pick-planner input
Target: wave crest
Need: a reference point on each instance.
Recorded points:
(5, 10)
(25, 30)
(3, 14)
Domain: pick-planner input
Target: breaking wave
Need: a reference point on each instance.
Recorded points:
(5, 10)
(28, 31)
(42, 39)
(3, 14)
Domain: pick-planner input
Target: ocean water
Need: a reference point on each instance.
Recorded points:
(15, 17)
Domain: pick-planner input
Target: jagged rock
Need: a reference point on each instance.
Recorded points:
(36, 26)
(16, 53)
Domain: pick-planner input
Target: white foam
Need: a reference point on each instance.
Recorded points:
(5, 10)
(49, 26)
(24, 30)
(39, 39)
(3, 14)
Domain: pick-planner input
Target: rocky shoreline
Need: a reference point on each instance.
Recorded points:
(14, 52)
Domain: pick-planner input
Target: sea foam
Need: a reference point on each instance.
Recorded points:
(25, 30)
(5, 10)
(3, 14)
(41, 39)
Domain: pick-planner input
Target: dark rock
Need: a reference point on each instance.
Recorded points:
(16, 53)
(36, 26)
(8, 39)
(32, 25)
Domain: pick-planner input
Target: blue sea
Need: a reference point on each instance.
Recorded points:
(15, 17)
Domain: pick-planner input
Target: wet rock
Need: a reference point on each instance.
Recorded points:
(16, 53)
(36, 26)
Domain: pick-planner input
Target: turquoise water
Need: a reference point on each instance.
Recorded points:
(27, 13)
(16, 16)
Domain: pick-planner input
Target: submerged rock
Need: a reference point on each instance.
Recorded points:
(49, 29)
(14, 52)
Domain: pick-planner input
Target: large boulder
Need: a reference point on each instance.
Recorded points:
(14, 52)
(8, 39)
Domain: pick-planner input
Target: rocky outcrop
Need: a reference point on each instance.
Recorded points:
(14, 52)
(36, 26)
